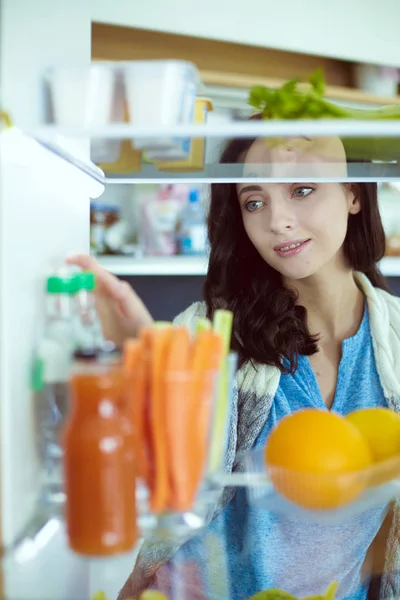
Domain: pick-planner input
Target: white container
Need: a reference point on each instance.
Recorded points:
(161, 93)
(377, 80)
(88, 97)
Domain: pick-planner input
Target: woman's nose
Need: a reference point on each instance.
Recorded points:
(281, 217)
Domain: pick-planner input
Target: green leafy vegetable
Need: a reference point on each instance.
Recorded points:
(317, 81)
(294, 100)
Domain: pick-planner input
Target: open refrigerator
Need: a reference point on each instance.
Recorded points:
(46, 182)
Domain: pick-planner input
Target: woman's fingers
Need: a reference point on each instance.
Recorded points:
(121, 311)
(107, 283)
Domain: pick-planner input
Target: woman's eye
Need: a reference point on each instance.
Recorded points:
(302, 192)
(253, 205)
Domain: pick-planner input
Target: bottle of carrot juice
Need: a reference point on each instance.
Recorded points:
(99, 462)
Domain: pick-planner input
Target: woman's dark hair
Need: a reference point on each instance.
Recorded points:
(269, 327)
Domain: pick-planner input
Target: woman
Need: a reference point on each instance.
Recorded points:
(314, 327)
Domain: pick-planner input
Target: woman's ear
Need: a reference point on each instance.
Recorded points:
(353, 198)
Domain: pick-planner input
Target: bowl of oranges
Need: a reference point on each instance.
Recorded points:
(320, 464)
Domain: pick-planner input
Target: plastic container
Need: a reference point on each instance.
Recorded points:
(88, 97)
(103, 218)
(160, 215)
(161, 93)
(129, 161)
(365, 489)
(193, 228)
(377, 80)
(195, 160)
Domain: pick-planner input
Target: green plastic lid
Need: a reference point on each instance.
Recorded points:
(85, 280)
(60, 285)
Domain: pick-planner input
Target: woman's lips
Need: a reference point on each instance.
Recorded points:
(291, 248)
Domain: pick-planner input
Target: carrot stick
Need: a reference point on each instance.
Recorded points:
(206, 359)
(146, 336)
(177, 405)
(131, 354)
(159, 351)
(135, 374)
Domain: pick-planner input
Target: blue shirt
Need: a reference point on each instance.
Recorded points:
(258, 550)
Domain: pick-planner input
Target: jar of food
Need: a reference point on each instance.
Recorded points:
(102, 218)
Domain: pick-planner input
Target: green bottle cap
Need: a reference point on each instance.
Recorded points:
(60, 285)
(85, 280)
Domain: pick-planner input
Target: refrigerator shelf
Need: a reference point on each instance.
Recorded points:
(192, 265)
(385, 128)
(157, 265)
(372, 150)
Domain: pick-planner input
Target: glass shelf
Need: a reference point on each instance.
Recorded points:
(158, 265)
(192, 265)
(385, 128)
(286, 151)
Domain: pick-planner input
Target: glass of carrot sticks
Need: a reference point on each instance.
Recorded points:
(174, 383)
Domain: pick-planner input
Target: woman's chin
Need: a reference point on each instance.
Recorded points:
(296, 272)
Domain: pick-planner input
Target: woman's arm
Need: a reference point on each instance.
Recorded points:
(152, 556)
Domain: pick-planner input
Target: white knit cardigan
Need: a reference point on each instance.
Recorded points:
(256, 388)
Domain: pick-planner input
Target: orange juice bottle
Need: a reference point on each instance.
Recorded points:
(99, 459)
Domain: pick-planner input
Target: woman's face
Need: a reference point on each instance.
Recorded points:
(297, 228)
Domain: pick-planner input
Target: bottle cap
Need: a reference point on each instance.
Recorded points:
(85, 280)
(60, 285)
(194, 195)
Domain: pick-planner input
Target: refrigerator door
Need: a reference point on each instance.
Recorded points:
(44, 216)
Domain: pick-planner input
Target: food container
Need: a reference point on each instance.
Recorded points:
(195, 160)
(102, 219)
(88, 97)
(365, 489)
(128, 161)
(377, 80)
(161, 93)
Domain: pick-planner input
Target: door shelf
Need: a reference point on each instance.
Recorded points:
(23, 151)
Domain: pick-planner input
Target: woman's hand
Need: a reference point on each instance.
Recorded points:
(121, 311)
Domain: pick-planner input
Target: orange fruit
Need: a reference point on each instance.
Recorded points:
(313, 457)
(381, 428)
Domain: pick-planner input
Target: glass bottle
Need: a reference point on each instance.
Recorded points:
(99, 459)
